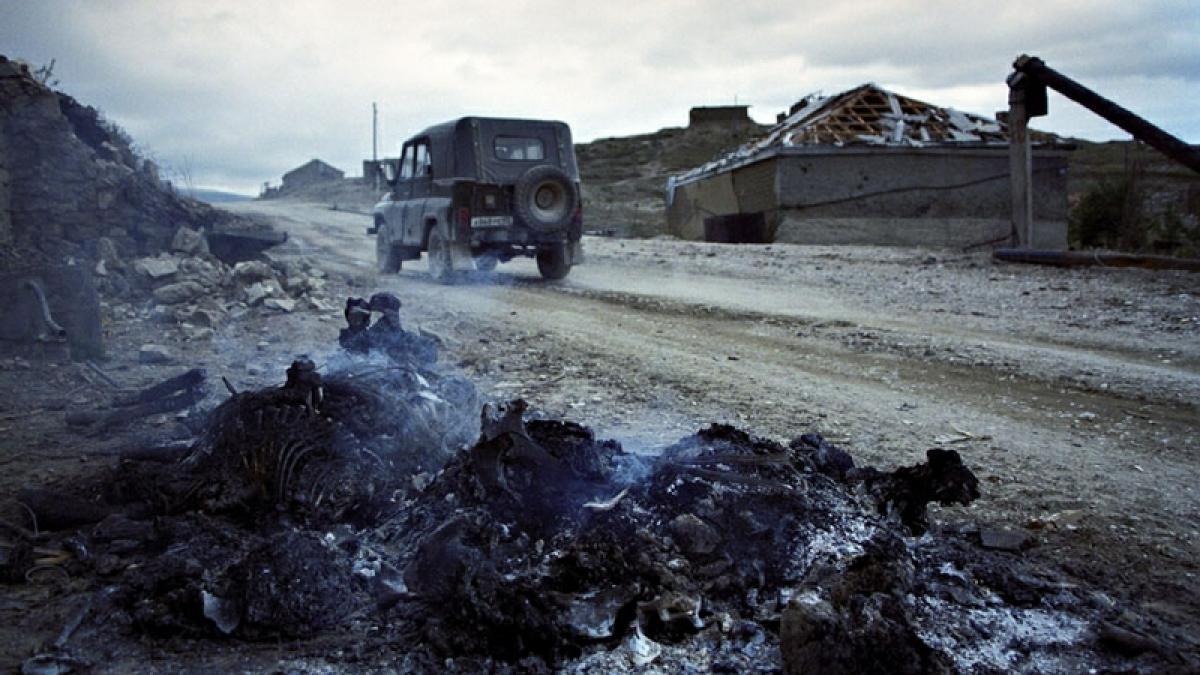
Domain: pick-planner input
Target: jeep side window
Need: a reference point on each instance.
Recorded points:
(520, 149)
(406, 163)
(424, 161)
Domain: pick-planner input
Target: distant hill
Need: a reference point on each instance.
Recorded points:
(216, 196)
(1093, 161)
(624, 179)
(347, 194)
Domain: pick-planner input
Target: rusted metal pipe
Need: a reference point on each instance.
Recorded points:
(1097, 258)
(1142, 130)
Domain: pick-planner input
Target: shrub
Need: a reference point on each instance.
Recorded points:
(1109, 215)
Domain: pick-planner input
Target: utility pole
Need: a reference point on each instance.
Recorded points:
(375, 143)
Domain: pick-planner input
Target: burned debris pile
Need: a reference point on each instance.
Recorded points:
(541, 540)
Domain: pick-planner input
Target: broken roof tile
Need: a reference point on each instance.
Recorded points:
(871, 115)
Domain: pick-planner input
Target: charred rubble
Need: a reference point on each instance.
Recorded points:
(372, 505)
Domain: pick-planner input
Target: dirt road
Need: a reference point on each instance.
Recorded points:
(1070, 392)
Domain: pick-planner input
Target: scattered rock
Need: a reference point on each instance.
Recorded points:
(250, 271)
(206, 317)
(182, 291)
(202, 272)
(256, 293)
(695, 535)
(163, 314)
(106, 252)
(1066, 520)
(1127, 641)
(280, 304)
(189, 241)
(1003, 540)
(157, 268)
(320, 305)
(197, 332)
(299, 285)
(226, 614)
(154, 354)
(259, 291)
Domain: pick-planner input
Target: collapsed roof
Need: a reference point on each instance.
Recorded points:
(873, 116)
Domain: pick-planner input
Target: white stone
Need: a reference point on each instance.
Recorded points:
(280, 304)
(189, 241)
(259, 291)
(249, 271)
(173, 294)
(157, 268)
(151, 353)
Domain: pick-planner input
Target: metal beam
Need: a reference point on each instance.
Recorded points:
(1142, 130)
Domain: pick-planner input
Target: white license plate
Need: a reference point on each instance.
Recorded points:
(491, 221)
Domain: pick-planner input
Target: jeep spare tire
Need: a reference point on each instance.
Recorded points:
(546, 198)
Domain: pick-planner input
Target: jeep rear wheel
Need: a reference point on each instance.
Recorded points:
(440, 267)
(553, 263)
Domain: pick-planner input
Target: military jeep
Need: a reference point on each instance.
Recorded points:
(478, 191)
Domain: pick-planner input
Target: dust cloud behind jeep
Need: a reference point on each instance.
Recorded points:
(478, 191)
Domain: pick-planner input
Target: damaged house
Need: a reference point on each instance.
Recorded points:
(868, 166)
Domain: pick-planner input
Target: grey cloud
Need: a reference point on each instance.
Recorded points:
(244, 91)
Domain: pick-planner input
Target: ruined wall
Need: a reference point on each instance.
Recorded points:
(882, 196)
(755, 187)
(695, 201)
(913, 197)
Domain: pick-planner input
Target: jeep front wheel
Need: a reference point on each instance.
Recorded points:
(553, 263)
(440, 267)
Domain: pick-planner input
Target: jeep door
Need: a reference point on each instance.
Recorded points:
(416, 212)
(401, 196)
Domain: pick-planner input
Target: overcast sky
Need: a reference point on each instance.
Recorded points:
(238, 92)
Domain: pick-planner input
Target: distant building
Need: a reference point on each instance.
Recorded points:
(315, 171)
(733, 117)
(869, 166)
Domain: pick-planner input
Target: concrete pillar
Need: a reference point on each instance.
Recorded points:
(1020, 168)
